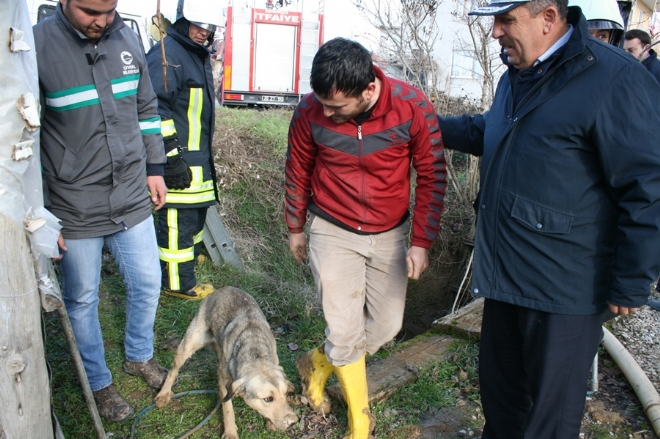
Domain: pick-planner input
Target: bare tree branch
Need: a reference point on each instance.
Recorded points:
(408, 34)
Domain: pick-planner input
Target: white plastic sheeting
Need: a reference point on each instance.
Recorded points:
(21, 191)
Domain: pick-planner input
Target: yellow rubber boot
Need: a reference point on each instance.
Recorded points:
(315, 369)
(198, 292)
(353, 382)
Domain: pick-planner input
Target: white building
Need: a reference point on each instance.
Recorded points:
(459, 71)
(455, 50)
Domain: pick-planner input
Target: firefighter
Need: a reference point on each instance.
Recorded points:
(603, 19)
(186, 106)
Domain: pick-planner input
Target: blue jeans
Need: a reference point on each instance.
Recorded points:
(136, 253)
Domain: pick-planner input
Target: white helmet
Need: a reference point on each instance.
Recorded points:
(602, 14)
(206, 14)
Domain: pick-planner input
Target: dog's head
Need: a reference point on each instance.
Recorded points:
(265, 391)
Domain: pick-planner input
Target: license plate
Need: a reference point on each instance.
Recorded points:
(272, 98)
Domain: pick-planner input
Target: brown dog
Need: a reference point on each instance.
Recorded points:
(231, 321)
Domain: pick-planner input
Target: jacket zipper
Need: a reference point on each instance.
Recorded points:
(364, 183)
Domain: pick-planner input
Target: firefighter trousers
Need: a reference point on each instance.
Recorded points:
(179, 236)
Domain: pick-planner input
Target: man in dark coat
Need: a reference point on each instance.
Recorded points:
(568, 221)
(186, 101)
(638, 44)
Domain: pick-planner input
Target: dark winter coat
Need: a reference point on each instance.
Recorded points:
(652, 64)
(569, 206)
(187, 110)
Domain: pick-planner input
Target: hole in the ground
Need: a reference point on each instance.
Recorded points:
(433, 295)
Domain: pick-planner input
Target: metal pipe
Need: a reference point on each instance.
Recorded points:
(593, 385)
(640, 383)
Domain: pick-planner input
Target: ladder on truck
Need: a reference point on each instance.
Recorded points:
(216, 240)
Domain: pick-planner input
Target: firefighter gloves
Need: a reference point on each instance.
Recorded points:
(177, 173)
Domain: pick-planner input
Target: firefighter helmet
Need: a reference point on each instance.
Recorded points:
(206, 14)
(602, 15)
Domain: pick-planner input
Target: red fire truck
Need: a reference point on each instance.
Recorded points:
(268, 55)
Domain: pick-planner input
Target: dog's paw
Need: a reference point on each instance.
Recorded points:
(163, 398)
(227, 435)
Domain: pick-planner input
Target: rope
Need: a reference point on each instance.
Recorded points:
(460, 287)
(196, 427)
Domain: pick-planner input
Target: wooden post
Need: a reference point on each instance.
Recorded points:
(24, 387)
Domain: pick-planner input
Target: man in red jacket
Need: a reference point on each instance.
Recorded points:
(351, 144)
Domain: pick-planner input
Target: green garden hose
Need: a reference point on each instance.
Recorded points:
(196, 427)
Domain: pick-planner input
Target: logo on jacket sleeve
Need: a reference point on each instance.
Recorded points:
(395, 139)
(129, 67)
(126, 58)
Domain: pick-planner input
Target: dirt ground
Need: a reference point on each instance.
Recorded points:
(614, 408)
(612, 412)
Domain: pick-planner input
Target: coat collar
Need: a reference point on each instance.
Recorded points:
(384, 103)
(653, 56)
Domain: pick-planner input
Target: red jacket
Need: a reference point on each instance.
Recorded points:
(360, 175)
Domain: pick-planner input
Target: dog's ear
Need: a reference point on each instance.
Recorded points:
(236, 388)
(289, 387)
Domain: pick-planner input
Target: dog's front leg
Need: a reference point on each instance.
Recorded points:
(194, 339)
(165, 395)
(228, 418)
(231, 431)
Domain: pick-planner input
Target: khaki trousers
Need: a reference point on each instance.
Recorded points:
(361, 281)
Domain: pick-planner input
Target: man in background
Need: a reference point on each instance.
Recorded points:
(102, 153)
(638, 44)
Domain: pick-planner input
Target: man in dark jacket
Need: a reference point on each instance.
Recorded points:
(638, 44)
(568, 221)
(186, 106)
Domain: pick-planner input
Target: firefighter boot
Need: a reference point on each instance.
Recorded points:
(198, 292)
(353, 382)
(315, 369)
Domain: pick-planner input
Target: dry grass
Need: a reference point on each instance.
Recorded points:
(249, 148)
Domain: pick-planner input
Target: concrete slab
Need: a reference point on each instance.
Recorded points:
(464, 323)
(386, 376)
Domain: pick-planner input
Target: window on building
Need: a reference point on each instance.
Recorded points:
(465, 65)
(640, 18)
